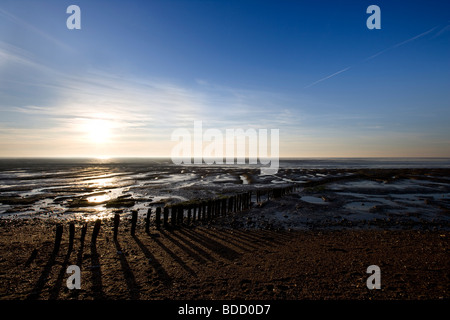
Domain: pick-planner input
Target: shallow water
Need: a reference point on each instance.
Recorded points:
(47, 187)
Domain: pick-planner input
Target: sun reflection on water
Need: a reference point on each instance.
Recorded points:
(99, 198)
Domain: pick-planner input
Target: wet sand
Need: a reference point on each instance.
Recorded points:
(216, 262)
(314, 243)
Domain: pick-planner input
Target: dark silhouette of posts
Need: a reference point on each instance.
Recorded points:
(58, 237)
(95, 232)
(180, 214)
(147, 220)
(189, 213)
(116, 225)
(194, 209)
(173, 219)
(158, 217)
(134, 215)
(203, 216)
(166, 217)
(83, 234)
(209, 210)
(71, 235)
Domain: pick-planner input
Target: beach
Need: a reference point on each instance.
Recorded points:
(230, 234)
(211, 262)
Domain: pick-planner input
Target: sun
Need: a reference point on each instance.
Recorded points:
(98, 130)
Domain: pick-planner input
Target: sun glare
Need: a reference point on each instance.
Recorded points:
(98, 130)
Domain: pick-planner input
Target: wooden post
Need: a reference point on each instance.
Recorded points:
(173, 218)
(58, 236)
(209, 210)
(158, 217)
(189, 215)
(213, 208)
(194, 209)
(224, 206)
(71, 235)
(204, 210)
(180, 214)
(116, 225)
(95, 232)
(166, 217)
(134, 215)
(83, 234)
(147, 220)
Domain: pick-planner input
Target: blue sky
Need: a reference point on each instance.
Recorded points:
(137, 70)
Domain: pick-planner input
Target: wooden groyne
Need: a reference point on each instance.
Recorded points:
(182, 214)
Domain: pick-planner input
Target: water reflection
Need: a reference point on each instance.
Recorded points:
(99, 198)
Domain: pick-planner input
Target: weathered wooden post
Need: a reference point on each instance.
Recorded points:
(173, 219)
(147, 220)
(209, 209)
(180, 214)
(116, 225)
(71, 235)
(95, 232)
(189, 215)
(194, 212)
(204, 210)
(158, 217)
(58, 236)
(224, 206)
(166, 217)
(213, 208)
(83, 234)
(134, 215)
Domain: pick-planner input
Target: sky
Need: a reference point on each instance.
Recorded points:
(138, 70)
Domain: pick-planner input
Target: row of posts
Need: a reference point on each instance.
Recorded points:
(204, 210)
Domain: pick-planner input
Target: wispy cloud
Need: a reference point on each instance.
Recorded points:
(136, 110)
(29, 27)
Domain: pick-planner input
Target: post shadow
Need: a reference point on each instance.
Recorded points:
(56, 288)
(162, 274)
(191, 253)
(130, 279)
(211, 244)
(230, 239)
(96, 273)
(74, 293)
(37, 289)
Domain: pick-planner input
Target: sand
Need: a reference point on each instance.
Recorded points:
(214, 261)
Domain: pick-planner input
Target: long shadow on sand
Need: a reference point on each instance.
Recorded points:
(96, 274)
(157, 266)
(43, 278)
(214, 246)
(54, 293)
(189, 247)
(130, 279)
(231, 239)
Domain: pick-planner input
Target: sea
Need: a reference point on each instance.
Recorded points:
(92, 188)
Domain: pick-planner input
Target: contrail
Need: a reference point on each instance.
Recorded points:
(328, 77)
(373, 56)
